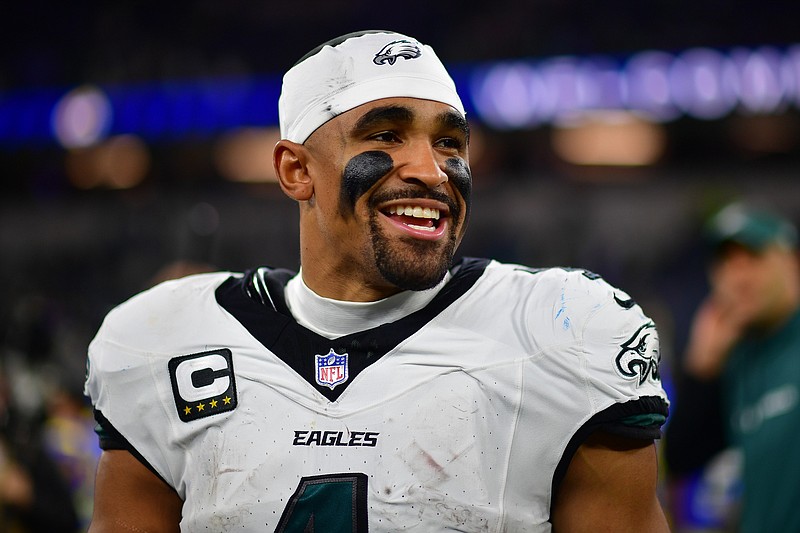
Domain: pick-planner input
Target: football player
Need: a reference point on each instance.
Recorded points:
(382, 387)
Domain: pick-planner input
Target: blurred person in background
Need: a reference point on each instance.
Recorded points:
(742, 364)
(34, 494)
(70, 442)
(50, 450)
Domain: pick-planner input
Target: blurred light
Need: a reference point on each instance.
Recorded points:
(26, 116)
(508, 95)
(121, 162)
(700, 82)
(760, 89)
(194, 108)
(647, 85)
(82, 117)
(790, 73)
(245, 155)
(600, 84)
(561, 77)
(703, 83)
(609, 138)
(765, 134)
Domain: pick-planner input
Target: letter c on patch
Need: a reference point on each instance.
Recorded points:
(186, 369)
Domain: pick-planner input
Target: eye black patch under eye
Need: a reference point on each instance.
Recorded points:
(459, 174)
(361, 173)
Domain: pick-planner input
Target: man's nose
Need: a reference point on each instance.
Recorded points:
(419, 163)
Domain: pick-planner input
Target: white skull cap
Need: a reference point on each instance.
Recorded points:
(355, 69)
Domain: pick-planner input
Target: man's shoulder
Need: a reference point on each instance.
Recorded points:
(573, 315)
(573, 301)
(161, 307)
(555, 281)
(561, 272)
(174, 292)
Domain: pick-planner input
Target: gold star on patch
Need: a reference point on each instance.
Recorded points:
(226, 400)
(187, 410)
(201, 406)
(213, 404)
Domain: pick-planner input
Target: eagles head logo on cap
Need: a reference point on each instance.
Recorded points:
(402, 48)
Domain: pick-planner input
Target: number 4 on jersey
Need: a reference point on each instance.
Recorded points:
(332, 503)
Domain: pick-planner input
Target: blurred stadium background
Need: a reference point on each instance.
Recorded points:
(135, 140)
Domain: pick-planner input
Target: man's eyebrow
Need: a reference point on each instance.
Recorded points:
(453, 120)
(381, 115)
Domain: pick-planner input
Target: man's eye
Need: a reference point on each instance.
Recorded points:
(384, 136)
(450, 142)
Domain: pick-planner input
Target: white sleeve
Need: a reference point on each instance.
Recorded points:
(621, 359)
(128, 381)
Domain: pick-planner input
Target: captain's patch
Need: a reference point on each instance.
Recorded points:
(203, 384)
(639, 356)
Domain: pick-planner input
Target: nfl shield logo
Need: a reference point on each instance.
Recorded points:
(331, 369)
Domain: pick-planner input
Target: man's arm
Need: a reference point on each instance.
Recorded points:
(610, 485)
(129, 497)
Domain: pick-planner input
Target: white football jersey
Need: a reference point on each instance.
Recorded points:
(462, 416)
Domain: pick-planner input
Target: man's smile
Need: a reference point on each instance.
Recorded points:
(419, 218)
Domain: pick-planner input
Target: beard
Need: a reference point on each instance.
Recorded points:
(413, 264)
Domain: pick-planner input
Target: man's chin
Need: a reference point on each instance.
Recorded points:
(414, 270)
(412, 281)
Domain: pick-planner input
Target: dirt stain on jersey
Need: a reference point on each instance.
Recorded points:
(424, 465)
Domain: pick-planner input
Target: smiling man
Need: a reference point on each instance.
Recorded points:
(382, 387)
(390, 181)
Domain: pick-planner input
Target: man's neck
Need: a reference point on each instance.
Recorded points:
(346, 288)
(334, 318)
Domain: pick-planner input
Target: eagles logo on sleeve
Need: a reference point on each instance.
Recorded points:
(203, 384)
(639, 356)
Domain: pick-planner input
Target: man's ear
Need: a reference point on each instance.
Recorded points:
(291, 166)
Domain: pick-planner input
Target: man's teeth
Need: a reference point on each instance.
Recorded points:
(414, 211)
(424, 228)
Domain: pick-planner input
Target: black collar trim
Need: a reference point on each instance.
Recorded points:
(257, 300)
